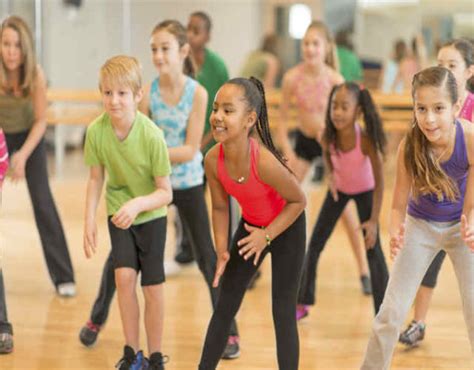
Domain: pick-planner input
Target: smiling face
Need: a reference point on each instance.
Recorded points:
(230, 115)
(314, 47)
(449, 57)
(167, 56)
(434, 113)
(11, 49)
(344, 109)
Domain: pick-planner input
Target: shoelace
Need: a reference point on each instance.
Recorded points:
(233, 340)
(412, 329)
(164, 359)
(90, 325)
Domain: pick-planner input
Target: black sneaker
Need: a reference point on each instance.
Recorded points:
(130, 360)
(232, 348)
(6, 343)
(156, 362)
(413, 334)
(89, 333)
(366, 285)
(185, 256)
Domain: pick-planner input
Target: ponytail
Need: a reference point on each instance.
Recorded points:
(373, 123)
(254, 94)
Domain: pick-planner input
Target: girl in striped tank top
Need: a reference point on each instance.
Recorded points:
(432, 209)
(354, 158)
(458, 57)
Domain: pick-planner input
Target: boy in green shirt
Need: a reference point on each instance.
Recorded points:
(131, 149)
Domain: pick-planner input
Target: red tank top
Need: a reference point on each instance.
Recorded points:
(260, 203)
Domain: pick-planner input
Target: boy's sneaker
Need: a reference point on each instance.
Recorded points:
(6, 343)
(302, 311)
(232, 348)
(413, 334)
(66, 290)
(366, 285)
(156, 362)
(130, 360)
(89, 333)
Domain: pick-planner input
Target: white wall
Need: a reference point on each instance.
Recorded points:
(76, 47)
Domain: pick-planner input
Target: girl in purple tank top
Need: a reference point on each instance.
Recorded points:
(432, 209)
(458, 57)
(354, 160)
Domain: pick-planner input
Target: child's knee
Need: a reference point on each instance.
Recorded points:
(125, 278)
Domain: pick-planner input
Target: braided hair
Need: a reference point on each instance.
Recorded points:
(254, 94)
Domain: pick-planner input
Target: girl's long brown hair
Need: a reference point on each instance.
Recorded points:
(428, 177)
(28, 68)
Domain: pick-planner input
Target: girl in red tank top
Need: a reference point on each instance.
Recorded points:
(272, 202)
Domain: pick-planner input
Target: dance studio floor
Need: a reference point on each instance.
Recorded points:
(334, 336)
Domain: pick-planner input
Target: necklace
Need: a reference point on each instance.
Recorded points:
(241, 179)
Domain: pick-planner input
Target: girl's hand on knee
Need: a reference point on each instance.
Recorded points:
(253, 244)
(467, 232)
(18, 164)
(396, 241)
(370, 233)
(222, 259)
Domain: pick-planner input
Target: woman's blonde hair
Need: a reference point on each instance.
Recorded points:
(428, 177)
(331, 58)
(28, 69)
(122, 70)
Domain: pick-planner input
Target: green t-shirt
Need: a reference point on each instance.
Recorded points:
(212, 76)
(131, 164)
(349, 65)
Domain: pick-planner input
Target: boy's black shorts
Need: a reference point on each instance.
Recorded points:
(140, 247)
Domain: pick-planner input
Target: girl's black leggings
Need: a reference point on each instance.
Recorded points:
(287, 252)
(328, 216)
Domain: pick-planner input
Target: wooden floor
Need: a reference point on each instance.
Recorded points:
(334, 336)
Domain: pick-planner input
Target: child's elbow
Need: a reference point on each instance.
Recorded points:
(169, 196)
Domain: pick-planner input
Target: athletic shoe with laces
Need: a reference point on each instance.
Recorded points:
(413, 334)
(302, 311)
(232, 348)
(89, 333)
(156, 362)
(366, 285)
(6, 343)
(130, 360)
(66, 290)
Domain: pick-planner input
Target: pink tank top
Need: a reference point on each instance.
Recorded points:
(260, 203)
(313, 97)
(352, 170)
(468, 107)
(3, 156)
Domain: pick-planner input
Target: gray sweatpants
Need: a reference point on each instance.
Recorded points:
(423, 240)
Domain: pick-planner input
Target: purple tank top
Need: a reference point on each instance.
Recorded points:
(428, 207)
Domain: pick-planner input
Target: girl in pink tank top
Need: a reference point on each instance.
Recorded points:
(354, 159)
(272, 203)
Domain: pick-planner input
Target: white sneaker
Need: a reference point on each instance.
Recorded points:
(66, 289)
(172, 268)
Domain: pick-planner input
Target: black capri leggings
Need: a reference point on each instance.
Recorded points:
(287, 252)
(431, 276)
(328, 216)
